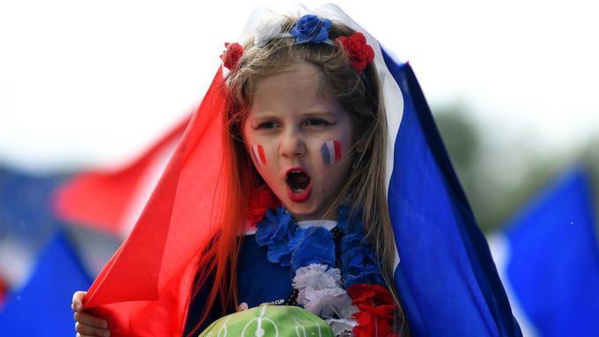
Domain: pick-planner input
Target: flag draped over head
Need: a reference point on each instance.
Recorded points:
(548, 258)
(144, 288)
(41, 307)
(445, 276)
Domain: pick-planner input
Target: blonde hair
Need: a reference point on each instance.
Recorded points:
(360, 96)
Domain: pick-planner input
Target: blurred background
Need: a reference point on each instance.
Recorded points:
(91, 86)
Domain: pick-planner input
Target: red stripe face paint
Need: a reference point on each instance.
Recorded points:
(258, 154)
(331, 152)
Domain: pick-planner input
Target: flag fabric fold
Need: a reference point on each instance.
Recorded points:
(550, 261)
(144, 289)
(446, 277)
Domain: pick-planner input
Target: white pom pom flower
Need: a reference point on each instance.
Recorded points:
(321, 292)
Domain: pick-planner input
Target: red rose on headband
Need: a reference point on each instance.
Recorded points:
(358, 51)
(231, 55)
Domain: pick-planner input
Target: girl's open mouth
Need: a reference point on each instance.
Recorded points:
(298, 185)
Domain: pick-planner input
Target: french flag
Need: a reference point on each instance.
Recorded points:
(258, 154)
(445, 275)
(548, 259)
(331, 152)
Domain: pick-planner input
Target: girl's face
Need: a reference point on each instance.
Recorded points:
(300, 141)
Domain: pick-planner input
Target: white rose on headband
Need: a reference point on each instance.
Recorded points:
(267, 30)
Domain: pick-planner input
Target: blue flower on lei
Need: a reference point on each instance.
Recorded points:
(289, 245)
(313, 245)
(358, 263)
(311, 28)
(344, 213)
(275, 231)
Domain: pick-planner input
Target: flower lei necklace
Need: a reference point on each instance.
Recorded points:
(336, 273)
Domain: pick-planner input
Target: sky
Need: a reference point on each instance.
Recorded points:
(91, 83)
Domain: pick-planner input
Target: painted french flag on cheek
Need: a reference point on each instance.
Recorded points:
(258, 154)
(331, 152)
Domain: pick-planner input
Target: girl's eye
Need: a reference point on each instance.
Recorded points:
(317, 122)
(267, 125)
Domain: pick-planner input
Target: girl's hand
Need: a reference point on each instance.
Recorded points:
(87, 325)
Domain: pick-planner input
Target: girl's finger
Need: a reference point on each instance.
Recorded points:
(86, 330)
(77, 302)
(90, 320)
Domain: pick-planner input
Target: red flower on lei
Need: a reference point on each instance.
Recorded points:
(262, 200)
(231, 55)
(377, 310)
(358, 51)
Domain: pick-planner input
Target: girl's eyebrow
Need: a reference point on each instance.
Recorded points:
(320, 112)
(276, 114)
(265, 115)
(324, 113)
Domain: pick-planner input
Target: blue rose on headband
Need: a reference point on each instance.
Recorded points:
(311, 28)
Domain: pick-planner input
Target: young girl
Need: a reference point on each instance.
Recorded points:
(299, 212)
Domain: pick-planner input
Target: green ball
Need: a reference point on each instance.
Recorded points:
(269, 320)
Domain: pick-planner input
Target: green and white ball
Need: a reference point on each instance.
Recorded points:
(269, 321)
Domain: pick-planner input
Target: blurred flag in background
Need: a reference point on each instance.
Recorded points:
(112, 200)
(58, 230)
(548, 259)
(42, 306)
(26, 220)
(43, 259)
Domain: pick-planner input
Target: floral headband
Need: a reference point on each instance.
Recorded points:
(308, 29)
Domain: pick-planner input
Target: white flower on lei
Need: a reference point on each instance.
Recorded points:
(342, 326)
(267, 30)
(317, 275)
(321, 292)
(326, 303)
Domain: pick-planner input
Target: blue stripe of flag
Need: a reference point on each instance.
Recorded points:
(446, 279)
(326, 153)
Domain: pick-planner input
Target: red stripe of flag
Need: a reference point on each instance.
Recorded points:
(262, 155)
(337, 150)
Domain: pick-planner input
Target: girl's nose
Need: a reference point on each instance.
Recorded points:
(292, 145)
